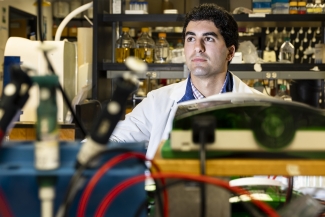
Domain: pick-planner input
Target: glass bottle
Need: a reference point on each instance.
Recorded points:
(302, 7)
(145, 46)
(287, 52)
(282, 93)
(318, 7)
(166, 4)
(161, 49)
(124, 46)
(310, 7)
(179, 44)
(145, 7)
(293, 7)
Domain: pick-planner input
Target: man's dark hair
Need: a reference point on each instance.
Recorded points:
(221, 18)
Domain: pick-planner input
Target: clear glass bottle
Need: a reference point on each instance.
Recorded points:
(302, 7)
(287, 51)
(145, 46)
(145, 6)
(318, 7)
(179, 44)
(293, 7)
(282, 93)
(161, 49)
(124, 46)
(166, 4)
(310, 7)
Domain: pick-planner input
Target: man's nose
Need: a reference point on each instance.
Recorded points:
(199, 46)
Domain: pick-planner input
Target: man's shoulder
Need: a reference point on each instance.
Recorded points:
(240, 87)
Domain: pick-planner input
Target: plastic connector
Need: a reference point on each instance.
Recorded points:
(46, 195)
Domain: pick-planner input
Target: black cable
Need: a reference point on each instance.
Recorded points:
(323, 96)
(289, 190)
(265, 88)
(203, 132)
(40, 17)
(249, 207)
(144, 204)
(65, 97)
(160, 203)
(203, 172)
(77, 176)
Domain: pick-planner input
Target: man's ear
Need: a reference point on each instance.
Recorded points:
(231, 52)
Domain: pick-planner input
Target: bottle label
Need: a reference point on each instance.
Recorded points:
(46, 155)
(310, 10)
(318, 10)
(117, 7)
(165, 52)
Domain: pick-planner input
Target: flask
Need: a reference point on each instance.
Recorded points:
(282, 93)
(302, 7)
(310, 7)
(287, 51)
(161, 49)
(318, 8)
(124, 46)
(293, 7)
(145, 46)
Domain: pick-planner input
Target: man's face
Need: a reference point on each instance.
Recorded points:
(205, 50)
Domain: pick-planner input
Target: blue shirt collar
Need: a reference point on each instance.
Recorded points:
(189, 92)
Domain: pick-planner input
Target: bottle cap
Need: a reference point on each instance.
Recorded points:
(293, 3)
(283, 87)
(125, 29)
(302, 4)
(144, 29)
(287, 38)
(162, 35)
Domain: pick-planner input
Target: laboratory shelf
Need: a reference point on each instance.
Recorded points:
(279, 71)
(104, 36)
(155, 70)
(279, 17)
(143, 17)
(244, 71)
(238, 17)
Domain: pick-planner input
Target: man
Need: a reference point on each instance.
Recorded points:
(210, 42)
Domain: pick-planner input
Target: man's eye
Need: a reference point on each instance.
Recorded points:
(190, 39)
(209, 39)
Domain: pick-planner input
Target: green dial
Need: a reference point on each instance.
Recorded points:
(274, 128)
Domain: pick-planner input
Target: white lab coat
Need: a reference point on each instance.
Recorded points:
(151, 120)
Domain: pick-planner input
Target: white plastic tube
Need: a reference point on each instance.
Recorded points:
(69, 17)
(46, 195)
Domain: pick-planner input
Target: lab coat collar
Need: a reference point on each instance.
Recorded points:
(228, 86)
(188, 92)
